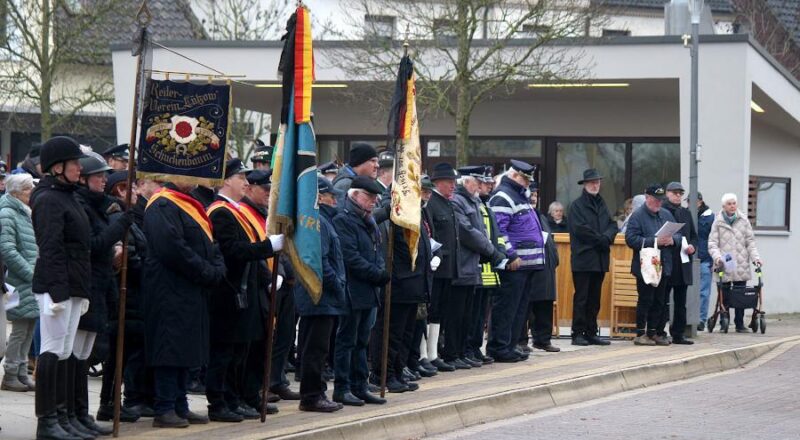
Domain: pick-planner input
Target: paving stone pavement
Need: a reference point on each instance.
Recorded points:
(761, 401)
(18, 421)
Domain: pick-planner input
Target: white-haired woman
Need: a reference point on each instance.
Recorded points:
(18, 250)
(556, 218)
(732, 240)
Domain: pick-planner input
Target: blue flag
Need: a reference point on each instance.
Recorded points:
(293, 207)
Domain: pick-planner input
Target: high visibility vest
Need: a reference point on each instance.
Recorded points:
(489, 276)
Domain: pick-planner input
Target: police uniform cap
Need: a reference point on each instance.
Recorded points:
(234, 166)
(523, 168)
(119, 151)
(472, 171)
(259, 177)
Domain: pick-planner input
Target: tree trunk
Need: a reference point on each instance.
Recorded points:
(462, 127)
(45, 73)
(462, 83)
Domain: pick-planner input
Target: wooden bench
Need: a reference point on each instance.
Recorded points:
(623, 300)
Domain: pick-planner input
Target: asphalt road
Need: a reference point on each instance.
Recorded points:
(759, 401)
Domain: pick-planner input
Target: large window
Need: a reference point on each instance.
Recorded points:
(485, 147)
(769, 203)
(654, 163)
(379, 26)
(575, 157)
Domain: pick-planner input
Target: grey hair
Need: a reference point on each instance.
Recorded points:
(16, 183)
(553, 206)
(352, 191)
(729, 196)
(463, 179)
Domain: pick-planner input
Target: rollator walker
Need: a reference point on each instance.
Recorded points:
(739, 297)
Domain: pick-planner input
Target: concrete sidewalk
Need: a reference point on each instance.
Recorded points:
(452, 401)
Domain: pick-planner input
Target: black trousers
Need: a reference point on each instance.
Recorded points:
(586, 302)
(283, 338)
(678, 322)
(402, 319)
(540, 321)
(420, 326)
(509, 312)
(225, 367)
(252, 377)
(477, 320)
(439, 292)
(316, 331)
(738, 314)
(136, 377)
(170, 390)
(649, 307)
(456, 305)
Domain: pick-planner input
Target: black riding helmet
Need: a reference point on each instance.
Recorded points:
(59, 149)
(93, 163)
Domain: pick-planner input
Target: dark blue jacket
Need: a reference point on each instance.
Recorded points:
(334, 281)
(363, 255)
(705, 218)
(641, 232)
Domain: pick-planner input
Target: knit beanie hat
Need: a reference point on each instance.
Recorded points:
(360, 153)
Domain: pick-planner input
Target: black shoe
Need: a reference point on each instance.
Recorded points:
(507, 359)
(701, 326)
(442, 365)
(47, 428)
(347, 399)
(682, 341)
(548, 348)
(742, 330)
(524, 348)
(82, 434)
(411, 376)
(424, 372)
(370, 398)
(485, 359)
(424, 362)
(580, 340)
(321, 404)
(285, 393)
(460, 365)
(83, 430)
(170, 420)
(224, 415)
(594, 340)
(196, 419)
(196, 388)
(245, 411)
(522, 355)
(472, 362)
(127, 415)
(395, 386)
(143, 409)
(414, 373)
(411, 385)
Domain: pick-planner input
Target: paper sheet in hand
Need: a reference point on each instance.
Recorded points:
(684, 246)
(669, 229)
(13, 297)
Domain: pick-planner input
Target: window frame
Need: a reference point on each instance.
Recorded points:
(370, 20)
(752, 202)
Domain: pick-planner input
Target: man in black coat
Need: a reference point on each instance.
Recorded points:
(235, 319)
(445, 231)
(640, 233)
(366, 274)
(681, 277)
(592, 231)
(183, 264)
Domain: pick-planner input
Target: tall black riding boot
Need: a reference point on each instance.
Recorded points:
(81, 380)
(65, 396)
(73, 399)
(47, 393)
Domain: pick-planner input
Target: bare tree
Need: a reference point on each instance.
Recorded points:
(465, 51)
(46, 61)
(243, 20)
(759, 18)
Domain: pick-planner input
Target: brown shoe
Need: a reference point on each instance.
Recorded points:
(643, 340)
(661, 340)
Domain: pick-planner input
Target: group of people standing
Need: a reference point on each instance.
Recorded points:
(200, 266)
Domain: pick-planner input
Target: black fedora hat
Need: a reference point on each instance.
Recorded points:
(444, 171)
(589, 175)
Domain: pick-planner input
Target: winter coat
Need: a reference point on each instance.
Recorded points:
(137, 253)
(203, 194)
(181, 268)
(64, 238)
(547, 291)
(227, 322)
(737, 240)
(19, 251)
(105, 234)
(519, 224)
(411, 286)
(641, 232)
(474, 242)
(361, 247)
(342, 183)
(334, 281)
(705, 218)
(682, 272)
(592, 231)
(557, 227)
(446, 232)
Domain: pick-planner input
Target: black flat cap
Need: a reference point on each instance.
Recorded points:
(675, 186)
(259, 177)
(116, 178)
(366, 184)
(523, 168)
(328, 167)
(234, 166)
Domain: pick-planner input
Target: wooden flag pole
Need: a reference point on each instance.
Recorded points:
(270, 335)
(387, 307)
(143, 17)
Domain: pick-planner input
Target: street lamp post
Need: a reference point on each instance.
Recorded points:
(696, 10)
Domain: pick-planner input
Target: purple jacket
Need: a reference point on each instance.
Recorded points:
(518, 224)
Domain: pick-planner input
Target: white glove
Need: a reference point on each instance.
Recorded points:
(84, 306)
(435, 262)
(277, 242)
(502, 265)
(53, 307)
(279, 283)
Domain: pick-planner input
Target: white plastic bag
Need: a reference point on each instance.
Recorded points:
(650, 262)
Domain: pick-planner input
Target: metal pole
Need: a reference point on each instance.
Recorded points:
(697, 8)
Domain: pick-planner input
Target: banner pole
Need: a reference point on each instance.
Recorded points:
(387, 307)
(143, 19)
(270, 335)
